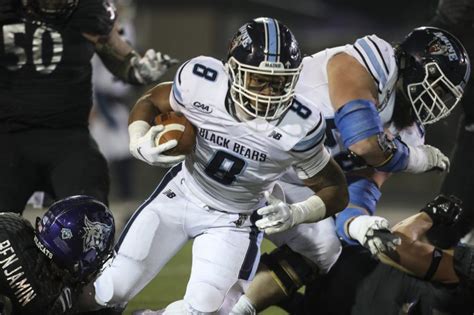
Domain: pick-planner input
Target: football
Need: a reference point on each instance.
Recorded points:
(179, 128)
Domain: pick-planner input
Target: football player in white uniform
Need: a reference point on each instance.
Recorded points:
(375, 99)
(251, 128)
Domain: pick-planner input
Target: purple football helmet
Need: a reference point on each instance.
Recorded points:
(77, 233)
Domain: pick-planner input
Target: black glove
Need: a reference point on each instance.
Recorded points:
(444, 210)
(449, 221)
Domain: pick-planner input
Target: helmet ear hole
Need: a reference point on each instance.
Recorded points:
(38, 223)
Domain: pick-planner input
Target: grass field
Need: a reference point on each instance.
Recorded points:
(170, 284)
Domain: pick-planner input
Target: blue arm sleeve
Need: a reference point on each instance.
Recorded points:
(363, 193)
(357, 120)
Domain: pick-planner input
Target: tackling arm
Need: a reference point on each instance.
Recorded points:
(421, 258)
(125, 63)
(442, 221)
(348, 82)
(353, 93)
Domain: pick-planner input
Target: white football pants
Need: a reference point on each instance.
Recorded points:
(226, 248)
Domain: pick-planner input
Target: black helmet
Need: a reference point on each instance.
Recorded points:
(49, 11)
(434, 69)
(263, 53)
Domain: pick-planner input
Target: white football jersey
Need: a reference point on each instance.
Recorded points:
(233, 164)
(378, 57)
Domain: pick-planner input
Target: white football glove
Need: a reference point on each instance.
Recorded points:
(373, 233)
(424, 158)
(145, 149)
(151, 66)
(279, 216)
(276, 217)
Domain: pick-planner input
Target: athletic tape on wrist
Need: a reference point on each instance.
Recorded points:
(399, 159)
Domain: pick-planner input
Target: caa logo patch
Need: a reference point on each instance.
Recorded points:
(202, 107)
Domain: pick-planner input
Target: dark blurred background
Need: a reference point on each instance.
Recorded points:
(185, 29)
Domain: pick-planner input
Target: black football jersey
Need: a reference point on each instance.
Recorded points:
(22, 268)
(45, 70)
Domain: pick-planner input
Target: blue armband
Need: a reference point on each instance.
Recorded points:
(341, 220)
(399, 159)
(357, 120)
(363, 193)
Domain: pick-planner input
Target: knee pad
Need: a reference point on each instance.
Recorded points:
(290, 270)
(203, 298)
(176, 308)
(104, 289)
(112, 287)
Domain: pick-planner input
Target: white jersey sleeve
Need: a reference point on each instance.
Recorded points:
(310, 153)
(182, 94)
(378, 57)
(413, 135)
(192, 79)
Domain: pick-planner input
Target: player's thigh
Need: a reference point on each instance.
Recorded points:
(221, 257)
(316, 241)
(82, 170)
(18, 177)
(149, 240)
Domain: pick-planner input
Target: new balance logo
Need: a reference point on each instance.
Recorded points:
(275, 135)
(169, 193)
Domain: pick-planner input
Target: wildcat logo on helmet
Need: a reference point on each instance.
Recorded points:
(96, 235)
